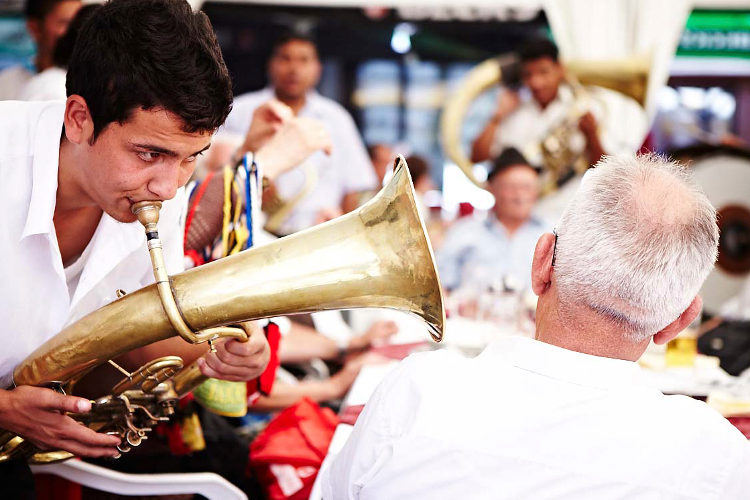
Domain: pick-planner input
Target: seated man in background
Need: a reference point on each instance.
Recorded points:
(568, 414)
(46, 22)
(49, 84)
(479, 252)
(325, 183)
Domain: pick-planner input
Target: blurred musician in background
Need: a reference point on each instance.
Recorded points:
(46, 22)
(323, 183)
(523, 119)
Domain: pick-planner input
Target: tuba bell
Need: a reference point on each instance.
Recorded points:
(376, 256)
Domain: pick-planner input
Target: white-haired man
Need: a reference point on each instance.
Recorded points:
(568, 415)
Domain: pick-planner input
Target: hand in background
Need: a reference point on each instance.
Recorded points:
(587, 124)
(297, 139)
(267, 120)
(507, 102)
(377, 334)
(342, 381)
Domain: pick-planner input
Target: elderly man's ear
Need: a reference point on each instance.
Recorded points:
(675, 327)
(541, 267)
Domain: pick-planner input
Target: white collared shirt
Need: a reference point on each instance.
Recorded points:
(348, 169)
(622, 123)
(35, 302)
(526, 419)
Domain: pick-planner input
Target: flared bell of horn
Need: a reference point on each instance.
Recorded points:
(377, 256)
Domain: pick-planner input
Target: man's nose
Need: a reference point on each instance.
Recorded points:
(165, 182)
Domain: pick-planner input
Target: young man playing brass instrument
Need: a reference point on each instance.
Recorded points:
(147, 87)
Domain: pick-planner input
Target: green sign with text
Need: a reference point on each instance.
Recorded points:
(713, 33)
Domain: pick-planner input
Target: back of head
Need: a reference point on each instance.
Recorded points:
(150, 54)
(635, 244)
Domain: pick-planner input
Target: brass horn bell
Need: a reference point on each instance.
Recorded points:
(377, 256)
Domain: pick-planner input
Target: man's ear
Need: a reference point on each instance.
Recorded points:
(675, 327)
(541, 267)
(79, 126)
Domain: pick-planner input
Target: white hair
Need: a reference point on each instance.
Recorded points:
(636, 243)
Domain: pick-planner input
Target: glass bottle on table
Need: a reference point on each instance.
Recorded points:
(683, 349)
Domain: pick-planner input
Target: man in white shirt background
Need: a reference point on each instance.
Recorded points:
(568, 414)
(327, 182)
(46, 21)
(480, 252)
(143, 103)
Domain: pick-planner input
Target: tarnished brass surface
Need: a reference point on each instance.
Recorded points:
(377, 256)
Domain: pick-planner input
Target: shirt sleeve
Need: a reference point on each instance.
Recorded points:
(239, 118)
(388, 415)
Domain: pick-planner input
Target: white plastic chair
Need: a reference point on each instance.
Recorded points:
(208, 484)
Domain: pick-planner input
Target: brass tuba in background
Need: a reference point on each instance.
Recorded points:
(628, 77)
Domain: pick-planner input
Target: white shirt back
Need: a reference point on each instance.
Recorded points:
(35, 301)
(530, 420)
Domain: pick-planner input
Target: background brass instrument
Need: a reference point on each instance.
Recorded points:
(629, 77)
(278, 209)
(377, 256)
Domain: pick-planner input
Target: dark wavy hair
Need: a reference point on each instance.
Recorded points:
(150, 54)
(537, 48)
(39, 9)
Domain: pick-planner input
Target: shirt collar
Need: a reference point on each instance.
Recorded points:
(493, 224)
(563, 364)
(564, 96)
(45, 166)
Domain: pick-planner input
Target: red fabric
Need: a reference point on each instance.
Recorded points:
(197, 258)
(350, 414)
(49, 487)
(742, 423)
(287, 455)
(465, 208)
(264, 383)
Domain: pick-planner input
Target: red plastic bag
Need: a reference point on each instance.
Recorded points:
(287, 455)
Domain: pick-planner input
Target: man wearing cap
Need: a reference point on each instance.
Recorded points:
(480, 252)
